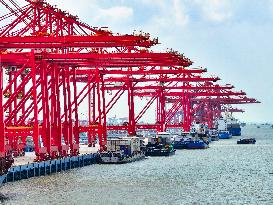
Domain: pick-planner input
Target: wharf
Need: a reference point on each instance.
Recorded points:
(25, 168)
(30, 156)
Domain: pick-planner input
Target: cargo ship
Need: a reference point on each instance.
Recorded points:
(223, 132)
(122, 150)
(234, 127)
(160, 145)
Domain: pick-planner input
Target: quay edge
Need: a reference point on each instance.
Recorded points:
(49, 167)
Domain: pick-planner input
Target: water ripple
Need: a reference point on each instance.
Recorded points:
(226, 173)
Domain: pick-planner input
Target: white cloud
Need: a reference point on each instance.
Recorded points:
(117, 14)
(153, 3)
(181, 18)
(96, 13)
(170, 13)
(270, 5)
(215, 10)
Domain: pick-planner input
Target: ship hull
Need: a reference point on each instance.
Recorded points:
(191, 145)
(235, 131)
(224, 135)
(119, 160)
(159, 153)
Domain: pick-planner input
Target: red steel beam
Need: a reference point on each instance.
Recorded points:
(72, 41)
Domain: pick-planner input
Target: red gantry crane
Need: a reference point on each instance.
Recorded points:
(51, 62)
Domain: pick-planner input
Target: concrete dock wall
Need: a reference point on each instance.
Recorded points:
(37, 169)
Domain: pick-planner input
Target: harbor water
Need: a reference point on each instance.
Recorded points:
(226, 173)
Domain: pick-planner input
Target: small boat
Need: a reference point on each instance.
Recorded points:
(224, 135)
(160, 145)
(247, 141)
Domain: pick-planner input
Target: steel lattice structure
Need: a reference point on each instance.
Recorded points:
(46, 53)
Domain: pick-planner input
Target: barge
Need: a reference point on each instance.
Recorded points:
(122, 150)
(119, 157)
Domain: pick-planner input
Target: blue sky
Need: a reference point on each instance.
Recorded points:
(232, 38)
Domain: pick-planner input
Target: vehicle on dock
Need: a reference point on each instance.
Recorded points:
(122, 150)
(160, 145)
(247, 141)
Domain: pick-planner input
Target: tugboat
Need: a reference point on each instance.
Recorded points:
(160, 145)
(190, 143)
(122, 150)
(196, 144)
(247, 141)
